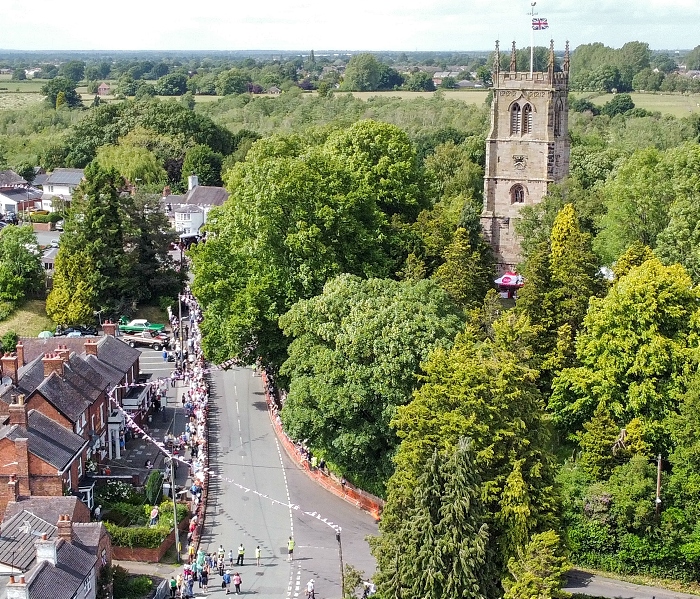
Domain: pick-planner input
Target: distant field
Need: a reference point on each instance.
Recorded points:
(676, 104)
(26, 86)
(13, 101)
(476, 96)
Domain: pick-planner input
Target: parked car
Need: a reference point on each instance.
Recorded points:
(145, 338)
(76, 330)
(139, 324)
(59, 225)
(54, 243)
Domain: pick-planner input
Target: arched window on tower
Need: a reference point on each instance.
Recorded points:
(515, 119)
(559, 108)
(517, 194)
(527, 118)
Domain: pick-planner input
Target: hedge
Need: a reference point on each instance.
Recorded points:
(52, 217)
(138, 536)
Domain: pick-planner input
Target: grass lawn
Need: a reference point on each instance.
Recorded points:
(154, 314)
(676, 104)
(28, 320)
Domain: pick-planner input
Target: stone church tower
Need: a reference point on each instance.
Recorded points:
(526, 149)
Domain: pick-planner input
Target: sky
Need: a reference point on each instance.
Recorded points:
(359, 25)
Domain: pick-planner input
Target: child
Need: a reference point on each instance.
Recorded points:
(257, 555)
(230, 557)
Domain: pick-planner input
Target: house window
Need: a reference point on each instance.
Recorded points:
(517, 194)
(87, 585)
(102, 416)
(69, 480)
(80, 466)
(527, 118)
(515, 119)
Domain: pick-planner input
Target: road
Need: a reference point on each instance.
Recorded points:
(598, 586)
(244, 450)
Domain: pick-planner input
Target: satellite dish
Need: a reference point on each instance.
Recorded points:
(6, 380)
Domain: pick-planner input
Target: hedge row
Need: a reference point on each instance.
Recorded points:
(138, 536)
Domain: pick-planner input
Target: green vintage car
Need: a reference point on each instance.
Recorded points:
(138, 325)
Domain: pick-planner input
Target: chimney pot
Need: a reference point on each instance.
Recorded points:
(21, 580)
(12, 579)
(20, 353)
(53, 363)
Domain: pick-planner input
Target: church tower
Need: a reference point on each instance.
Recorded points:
(527, 148)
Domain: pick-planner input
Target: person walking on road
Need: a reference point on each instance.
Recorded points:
(257, 556)
(241, 555)
(204, 577)
(290, 549)
(227, 581)
(173, 587)
(310, 592)
(230, 557)
(237, 583)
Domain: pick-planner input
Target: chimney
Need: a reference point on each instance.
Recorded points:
(63, 352)
(20, 354)
(166, 191)
(52, 363)
(17, 589)
(192, 182)
(9, 367)
(18, 412)
(91, 347)
(65, 528)
(46, 550)
(13, 488)
(109, 328)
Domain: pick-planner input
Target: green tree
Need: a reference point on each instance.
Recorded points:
(74, 70)
(620, 104)
(203, 162)
(94, 235)
(65, 87)
(638, 200)
(562, 276)
(597, 444)
(354, 357)
(634, 349)
(299, 214)
(233, 81)
(539, 572)
(483, 388)
(362, 73)
(420, 82)
(21, 272)
(135, 164)
(465, 274)
(440, 549)
(174, 84)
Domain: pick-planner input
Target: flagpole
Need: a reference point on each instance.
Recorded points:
(532, 35)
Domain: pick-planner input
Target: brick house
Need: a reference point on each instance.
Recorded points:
(70, 390)
(61, 560)
(44, 458)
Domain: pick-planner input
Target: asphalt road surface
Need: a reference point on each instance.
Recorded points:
(244, 450)
(598, 586)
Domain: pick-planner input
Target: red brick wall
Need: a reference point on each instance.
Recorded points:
(38, 402)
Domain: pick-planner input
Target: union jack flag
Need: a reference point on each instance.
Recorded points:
(538, 24)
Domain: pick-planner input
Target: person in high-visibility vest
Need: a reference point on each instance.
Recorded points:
(290, 549)
(241, 555)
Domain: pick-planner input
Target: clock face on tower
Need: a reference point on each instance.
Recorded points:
(519, 162)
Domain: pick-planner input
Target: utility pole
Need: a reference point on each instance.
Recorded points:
(179, 322)
(174, 494)
(340, 555)
(658, 486)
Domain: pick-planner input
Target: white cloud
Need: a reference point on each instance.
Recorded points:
(362, 24)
